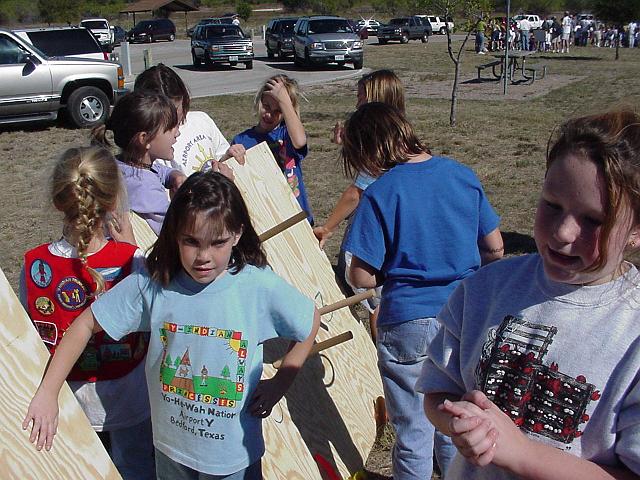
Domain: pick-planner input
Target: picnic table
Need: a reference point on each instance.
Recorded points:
(517, 63)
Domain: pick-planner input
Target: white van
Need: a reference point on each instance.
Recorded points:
(102, 30)
(438, 24)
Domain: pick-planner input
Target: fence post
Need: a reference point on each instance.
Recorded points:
(126, 59)
(148, 58)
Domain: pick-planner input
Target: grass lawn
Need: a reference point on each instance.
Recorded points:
(503, 139)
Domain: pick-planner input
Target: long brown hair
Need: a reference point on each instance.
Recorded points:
(612, 141)
(137, 112)
(220, 200)
(86, 187)
(162, 79)
(378, 137)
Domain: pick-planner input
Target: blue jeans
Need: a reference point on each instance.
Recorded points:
(169, 469)
(524, 40)
(401, 352)
(131, 450)
(479, 42)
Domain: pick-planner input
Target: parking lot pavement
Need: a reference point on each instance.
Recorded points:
(222, 80)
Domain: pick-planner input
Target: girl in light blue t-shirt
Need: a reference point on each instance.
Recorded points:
(209, 301)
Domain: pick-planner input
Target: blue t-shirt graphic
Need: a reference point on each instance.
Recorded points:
(289, 158)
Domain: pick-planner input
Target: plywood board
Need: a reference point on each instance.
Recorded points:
(329, 409)
(143, 233)
(77, 452)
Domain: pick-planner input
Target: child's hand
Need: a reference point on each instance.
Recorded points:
(276, 89)
(323, 234)
(43, 412)
(222, 168)
(267, 394)
(236, 151)
(177, 179)
(338, 133)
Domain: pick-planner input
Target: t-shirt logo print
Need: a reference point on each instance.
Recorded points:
(537, 397)
(224, 387)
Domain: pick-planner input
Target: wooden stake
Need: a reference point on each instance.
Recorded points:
(297, 218)
(318, 347)
(347, 302)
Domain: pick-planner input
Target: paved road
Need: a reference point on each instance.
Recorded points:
(222, 80)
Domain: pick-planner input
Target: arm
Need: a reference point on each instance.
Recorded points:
(363, 275)
(269, 392)
(296, 131)
(491, 247)
(43, 409)
(176, 179)
(236, 151)
(346, 205)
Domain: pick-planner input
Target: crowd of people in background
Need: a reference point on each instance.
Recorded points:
(557, 35)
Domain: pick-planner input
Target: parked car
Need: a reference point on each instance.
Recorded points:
(64, 42)
(119, 35)
(438, 24)
(534, 20)
(152, 30)
(225, 43)
(361, 31)
(101, 29)
(278, 37)
(34, 86)
(326, 39)
(204, 21)
(405, 29)
(370, 25)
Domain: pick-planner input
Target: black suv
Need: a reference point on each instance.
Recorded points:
(152, 30)
(223, 43)
(278, 37)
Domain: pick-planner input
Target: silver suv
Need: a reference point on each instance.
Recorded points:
(325, 39)
(34, 86)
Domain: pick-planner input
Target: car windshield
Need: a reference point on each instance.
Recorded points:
(329, 26)
(144, 26)
(56, 43)
(217, 31)
(287, 27)
(95, 24)
(398, 21)
(518, 17)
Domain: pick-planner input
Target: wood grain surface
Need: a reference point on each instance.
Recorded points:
(77, 452)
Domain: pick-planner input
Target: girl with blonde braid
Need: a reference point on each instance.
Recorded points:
(62, 278)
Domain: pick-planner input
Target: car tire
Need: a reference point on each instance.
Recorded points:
(281, 54)
(87, 107)
(249, 65)
(382, 41)
(270, 53)
(443, 31)
(307, 60)
(297, 61)
(196, 61)
(172, 37)
(404, 38)
(149, 39)
(207, 60)
(358, 64)
(424, 38)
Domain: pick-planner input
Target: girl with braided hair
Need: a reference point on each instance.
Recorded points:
(62, 278)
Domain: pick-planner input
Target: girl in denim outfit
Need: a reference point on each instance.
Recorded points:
(421, 228)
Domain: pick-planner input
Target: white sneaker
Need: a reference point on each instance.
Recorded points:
(481, 53)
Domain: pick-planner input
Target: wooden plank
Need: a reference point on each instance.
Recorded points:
(143, 233)
(329, 409)
(77, 452)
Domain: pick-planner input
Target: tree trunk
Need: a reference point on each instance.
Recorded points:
(454, 96)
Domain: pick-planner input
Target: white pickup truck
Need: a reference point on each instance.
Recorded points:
(534, 20)
(101, 30)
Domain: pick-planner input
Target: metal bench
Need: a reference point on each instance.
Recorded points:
(532, 72)
(493, 66)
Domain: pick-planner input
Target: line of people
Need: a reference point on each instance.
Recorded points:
(483, 365)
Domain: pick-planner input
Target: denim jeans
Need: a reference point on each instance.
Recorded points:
(401, 352)
(169, 469)
(479, 42)
(524, 39)
(131, 450)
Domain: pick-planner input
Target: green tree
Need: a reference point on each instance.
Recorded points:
(619, 13)
(473, 12)
(244, 10)
(225, 372)
(167, 361)
(56, 11)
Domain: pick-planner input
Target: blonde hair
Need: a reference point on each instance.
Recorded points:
(291, 85)
(383, 86)
(86, 186)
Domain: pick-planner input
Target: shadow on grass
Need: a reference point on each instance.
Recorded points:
(292, 67)
(517, 243)
(562, 56)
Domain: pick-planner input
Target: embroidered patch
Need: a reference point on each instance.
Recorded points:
(44, 305)
(48, 331)
(109, 273)
(40, 273)
(71, 293)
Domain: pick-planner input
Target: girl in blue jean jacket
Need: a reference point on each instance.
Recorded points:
(423, 226)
